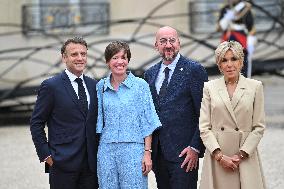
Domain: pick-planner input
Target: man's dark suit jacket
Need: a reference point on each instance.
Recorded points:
(70, 132)
(179, 109)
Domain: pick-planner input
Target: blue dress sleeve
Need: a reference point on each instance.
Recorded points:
(149, 119)
(99, 89)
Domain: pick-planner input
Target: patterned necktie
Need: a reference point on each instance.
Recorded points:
(164, 86)
(82, 95)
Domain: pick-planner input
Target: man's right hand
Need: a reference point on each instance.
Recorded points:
(49, 161)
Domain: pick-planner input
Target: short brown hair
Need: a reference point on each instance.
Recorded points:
(116, 46)
(76, 40)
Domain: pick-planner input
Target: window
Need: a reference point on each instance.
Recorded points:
(65, 17)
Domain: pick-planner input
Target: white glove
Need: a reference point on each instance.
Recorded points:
(225, 21)
(239, 6)
(229, 15)
(251, 42)
(250, 49)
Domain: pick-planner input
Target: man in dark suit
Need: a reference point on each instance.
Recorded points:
(176, 85)
(67, 103)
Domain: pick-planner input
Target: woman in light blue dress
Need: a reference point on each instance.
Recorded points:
(126, 121)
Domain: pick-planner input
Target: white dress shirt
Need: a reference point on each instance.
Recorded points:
(161, 74)
(74, 84)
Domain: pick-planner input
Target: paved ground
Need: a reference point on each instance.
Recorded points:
(20, 168)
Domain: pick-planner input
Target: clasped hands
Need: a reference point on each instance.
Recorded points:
(229, 162)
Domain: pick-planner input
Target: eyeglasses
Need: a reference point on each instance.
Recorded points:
(163, 41)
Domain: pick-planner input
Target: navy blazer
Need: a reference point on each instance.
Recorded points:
(179, 109)
(70, 132)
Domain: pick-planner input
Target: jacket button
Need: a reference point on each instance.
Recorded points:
(236, 128)
(222, 128)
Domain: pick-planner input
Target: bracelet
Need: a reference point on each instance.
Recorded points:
(242, 155)
(148, 150)
(219, 156)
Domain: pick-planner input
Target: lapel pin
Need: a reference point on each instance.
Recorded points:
(181, 69)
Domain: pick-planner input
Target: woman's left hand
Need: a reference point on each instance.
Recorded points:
(146, 163)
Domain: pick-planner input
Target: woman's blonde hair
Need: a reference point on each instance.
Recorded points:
(234, 46)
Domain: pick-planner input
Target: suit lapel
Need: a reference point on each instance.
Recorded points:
(152, 82)
(177, 76)
(68, 86)
(225, 98)
(91, 93)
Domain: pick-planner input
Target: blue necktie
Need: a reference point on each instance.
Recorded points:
(82, 95)
(164, 86)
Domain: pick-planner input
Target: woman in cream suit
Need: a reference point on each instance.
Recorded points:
(231, 125)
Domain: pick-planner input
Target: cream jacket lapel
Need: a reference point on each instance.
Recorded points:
(225, 98)
(239, 92)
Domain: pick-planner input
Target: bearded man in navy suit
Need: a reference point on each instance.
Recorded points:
(67, 104)
(176, 85)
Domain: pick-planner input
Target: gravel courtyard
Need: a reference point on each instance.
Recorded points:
(20, 168)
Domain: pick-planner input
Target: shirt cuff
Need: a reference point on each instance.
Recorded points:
(194, 149)
(46, 158)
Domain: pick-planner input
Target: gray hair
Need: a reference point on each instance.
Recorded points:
(234, 46)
